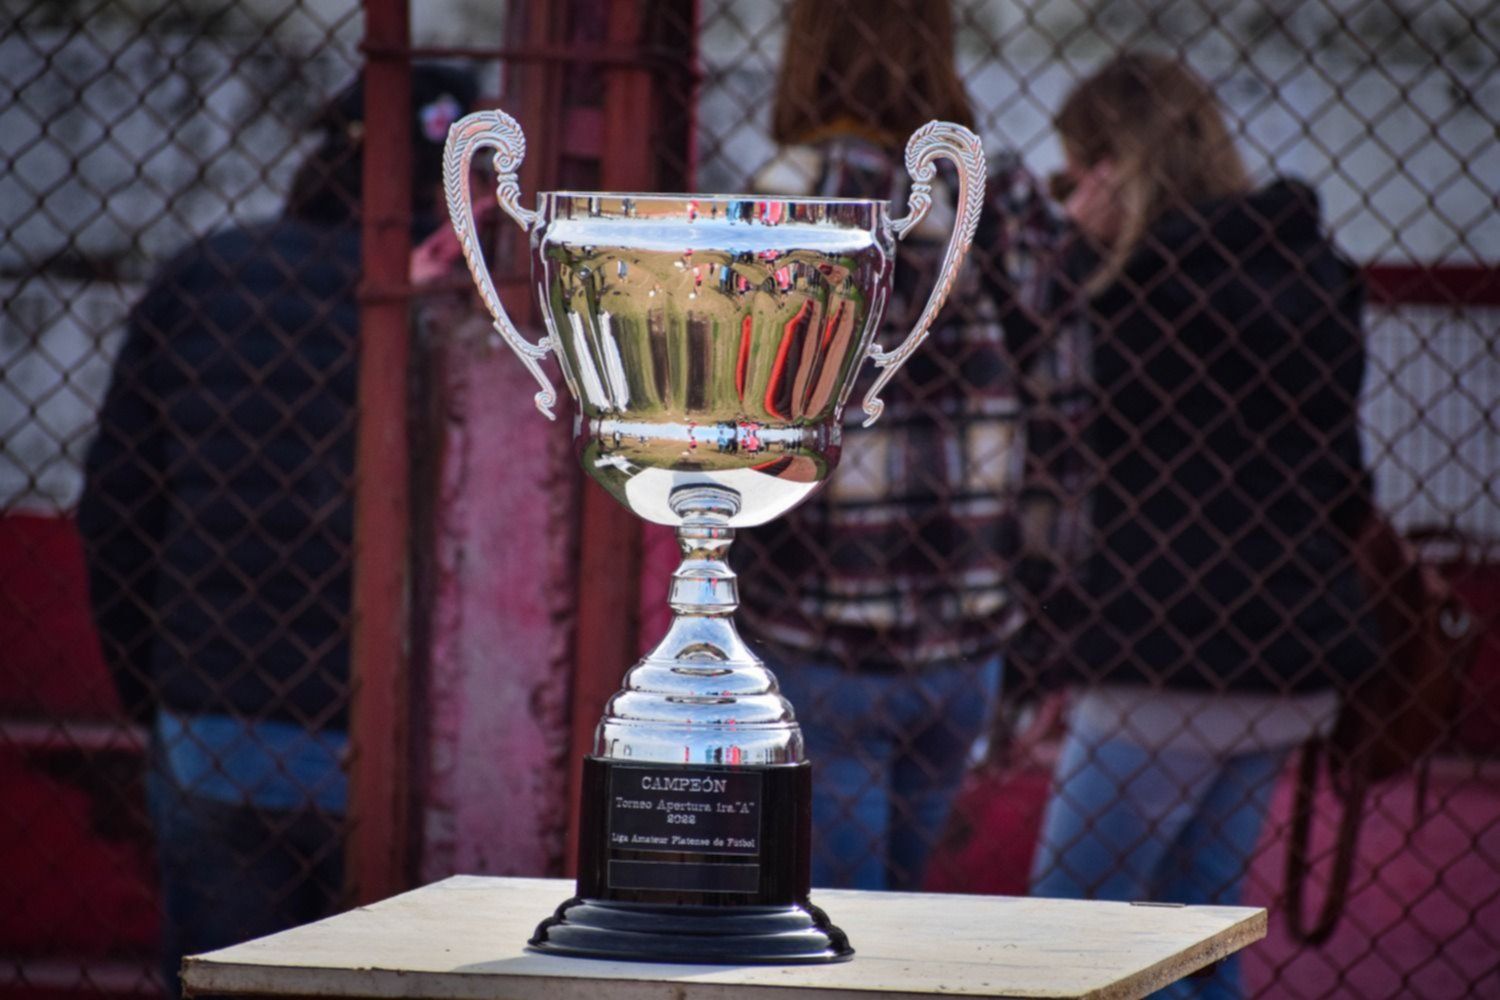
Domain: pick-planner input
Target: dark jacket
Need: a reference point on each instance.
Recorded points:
(1227, 358)
(217, 510)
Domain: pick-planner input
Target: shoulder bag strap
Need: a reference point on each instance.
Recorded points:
(1352, 800)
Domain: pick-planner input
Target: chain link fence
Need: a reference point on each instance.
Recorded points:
(1381, 110)
(131, 131)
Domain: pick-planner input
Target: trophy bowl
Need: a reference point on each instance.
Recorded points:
(710, 343)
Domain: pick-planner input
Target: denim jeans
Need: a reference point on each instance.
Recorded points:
(230, 873)
(888, 752)
(1127, 822)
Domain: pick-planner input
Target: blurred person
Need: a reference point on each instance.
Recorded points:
(1217, 613)
(880, 604)
(217, 518)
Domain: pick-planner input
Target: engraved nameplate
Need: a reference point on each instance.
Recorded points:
(708, 819)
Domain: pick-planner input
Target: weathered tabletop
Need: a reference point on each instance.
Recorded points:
(465, 937)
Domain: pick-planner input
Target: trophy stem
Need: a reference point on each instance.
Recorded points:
(704, 585)
(701, 695)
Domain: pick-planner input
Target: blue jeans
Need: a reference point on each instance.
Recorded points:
(888, 752)
(234, 872)
(1131, 823)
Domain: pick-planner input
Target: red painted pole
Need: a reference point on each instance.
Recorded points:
(609, 542)
(380, 841)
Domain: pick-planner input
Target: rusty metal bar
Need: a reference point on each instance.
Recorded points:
(1447, 285)
(380, 810)
(566, 55)
(609, 557)
(403, 291)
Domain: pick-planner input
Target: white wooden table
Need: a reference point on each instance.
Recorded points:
(465, 937)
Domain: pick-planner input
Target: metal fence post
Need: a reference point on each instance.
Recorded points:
(380, 841)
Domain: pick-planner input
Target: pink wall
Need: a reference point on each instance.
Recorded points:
(495, 791)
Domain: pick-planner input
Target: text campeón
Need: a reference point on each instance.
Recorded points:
(659, 784)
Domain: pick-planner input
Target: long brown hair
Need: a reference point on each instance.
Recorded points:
(1165, 133)
(881, 68)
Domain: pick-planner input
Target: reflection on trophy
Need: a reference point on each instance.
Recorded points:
(710, 343)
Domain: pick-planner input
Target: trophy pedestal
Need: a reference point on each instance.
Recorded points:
(701, 864)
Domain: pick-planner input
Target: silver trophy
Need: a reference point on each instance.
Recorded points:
(711, 343)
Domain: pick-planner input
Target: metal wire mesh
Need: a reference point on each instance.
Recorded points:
(1381, 113)
(129, 133)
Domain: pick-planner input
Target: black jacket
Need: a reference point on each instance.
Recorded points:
(217, 509)
(1227, 358)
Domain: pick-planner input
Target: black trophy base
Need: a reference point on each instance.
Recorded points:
(705, 865)
(799, 934)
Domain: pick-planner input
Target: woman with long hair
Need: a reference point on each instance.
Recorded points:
(880, 603)
(1220, 611)
(876, 69)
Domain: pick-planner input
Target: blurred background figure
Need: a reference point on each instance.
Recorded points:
(887, 640)
(1224, 609)
(217, 520)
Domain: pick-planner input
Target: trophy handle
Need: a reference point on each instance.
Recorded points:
(926, 144)
(467, 137)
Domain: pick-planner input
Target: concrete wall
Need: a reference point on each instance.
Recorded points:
(124, 137)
